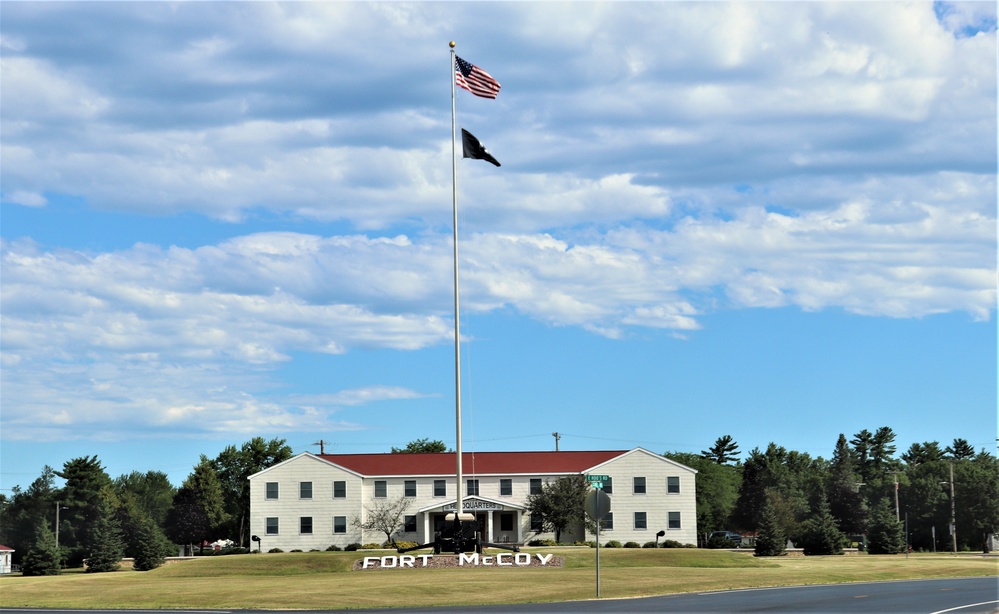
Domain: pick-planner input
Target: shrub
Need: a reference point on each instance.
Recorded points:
(334, 548)
(631, 545)
(370, 546)
(719, 543)
(672, 543)
(275, 550)
(542, 542)
(352, 547)
(405, 544)
(649, 545)
(612, 544)
(296, 550)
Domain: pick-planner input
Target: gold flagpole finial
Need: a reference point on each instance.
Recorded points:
(451, 44)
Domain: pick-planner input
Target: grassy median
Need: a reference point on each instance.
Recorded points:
(325, 580)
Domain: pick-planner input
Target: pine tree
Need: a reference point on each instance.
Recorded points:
(846, 504)
(820, 535)
(770, 539)
(150, 545)
(107, 546)
(886, 534)
(723, 452)
(42, 559)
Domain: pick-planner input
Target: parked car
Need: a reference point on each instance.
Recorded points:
(731, 536)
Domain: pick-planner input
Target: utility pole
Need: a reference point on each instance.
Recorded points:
(59, 506)
(557, 437)
(896, 496)
(322, 446)
(953, 519)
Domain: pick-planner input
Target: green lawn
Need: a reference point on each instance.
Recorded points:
(320, 580)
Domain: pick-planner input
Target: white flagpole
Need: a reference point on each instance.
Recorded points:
(457, 326)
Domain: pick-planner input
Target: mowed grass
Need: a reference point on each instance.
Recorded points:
(325, 580)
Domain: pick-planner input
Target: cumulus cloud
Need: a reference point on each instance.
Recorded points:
(660, 161)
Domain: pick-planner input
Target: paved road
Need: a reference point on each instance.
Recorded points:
(948, 596)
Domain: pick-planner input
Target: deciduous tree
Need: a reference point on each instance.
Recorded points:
(422, 446)
(560, 504)
(385, 515)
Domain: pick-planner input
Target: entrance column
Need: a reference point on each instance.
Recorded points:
(520, 527)
(426, 528)
(489, 527)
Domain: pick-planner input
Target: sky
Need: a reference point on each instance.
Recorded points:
(227, 220)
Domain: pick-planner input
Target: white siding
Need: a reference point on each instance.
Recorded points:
(322, 507)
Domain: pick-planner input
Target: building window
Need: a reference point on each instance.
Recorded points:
(673, 484)
(608, 486)
(640, 520)
(272, 490)
(536, 524)
(506, 522)
(339, 489)
(440, 488)
(381, 489)
(410, 488)
(272, 526)
(305, 525)
(305, 490)
(409, 524)
(607, 524)
(472, 488)
(339, 524)
(535, 486)
(506, 487)
(639, 486)
(673, 520)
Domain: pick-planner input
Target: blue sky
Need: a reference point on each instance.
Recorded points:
(775, 221)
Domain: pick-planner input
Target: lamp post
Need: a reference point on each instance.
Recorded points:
(953, 515)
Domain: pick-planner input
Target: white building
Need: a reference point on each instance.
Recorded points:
(5, 559)
(311, 501)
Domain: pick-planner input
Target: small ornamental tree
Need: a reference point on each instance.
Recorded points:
(820, 535)
(770, 539)
(42, 559)
(886, 534)
(385, 516)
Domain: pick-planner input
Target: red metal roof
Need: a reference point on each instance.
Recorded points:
(481, 463)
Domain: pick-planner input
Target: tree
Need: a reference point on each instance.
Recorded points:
(978, 499)
(234, 466)
(186, 522)
(716, 489)
(85, 481)
(422, 446)
(778, 475)
(723, 452)
(846, 504)
(919, 453)
(820, 535)
(385, 516)
(886, 534)
(770, 538)
(152, 491)
(960, 450)
(149, 546)
(560, 504)
(144, 539)
(107, 545)
(42, 558)
(21, 513)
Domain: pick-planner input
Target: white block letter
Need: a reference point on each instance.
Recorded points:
(544, 558)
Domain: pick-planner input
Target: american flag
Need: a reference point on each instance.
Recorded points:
(475, 80)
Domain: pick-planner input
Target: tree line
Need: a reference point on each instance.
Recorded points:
(864, 492)
(137, 515)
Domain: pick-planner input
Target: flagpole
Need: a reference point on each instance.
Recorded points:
(459, 507)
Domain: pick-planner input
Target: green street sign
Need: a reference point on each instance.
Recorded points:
(597, 484)
(597, 478)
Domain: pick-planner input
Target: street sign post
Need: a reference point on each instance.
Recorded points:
(598, 505)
